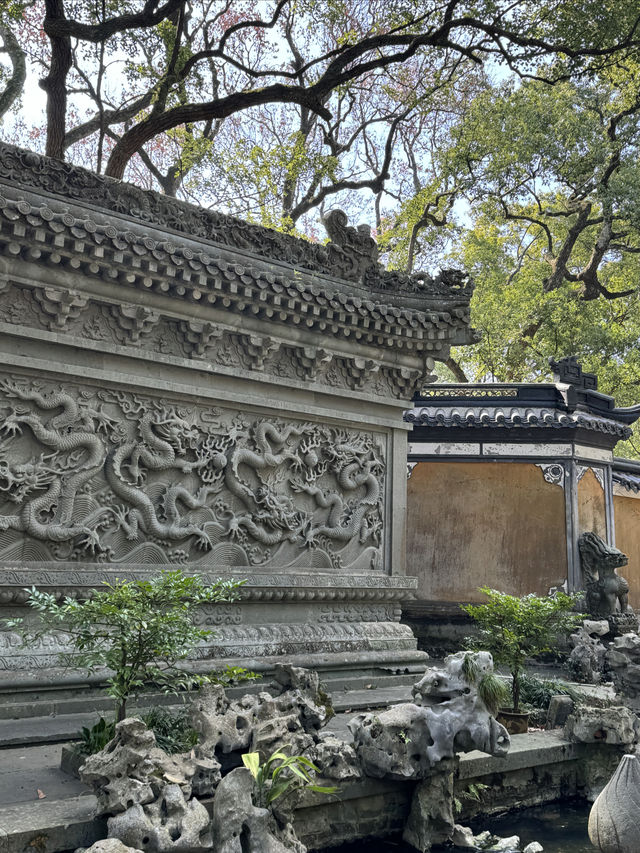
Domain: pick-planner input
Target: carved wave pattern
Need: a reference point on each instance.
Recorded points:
(103, 476)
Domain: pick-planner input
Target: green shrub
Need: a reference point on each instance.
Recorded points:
(139, 630)
(280, 775)
(514, 629)
(537, 692)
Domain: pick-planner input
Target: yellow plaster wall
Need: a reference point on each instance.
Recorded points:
(627, 515)
(476, 523)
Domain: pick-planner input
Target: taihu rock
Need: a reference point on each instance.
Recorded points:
(617, 725)
(613, 820)
(169, 825)
(446, 717)
(108, 845)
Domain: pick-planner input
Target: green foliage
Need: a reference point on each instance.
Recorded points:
(537, 692)
(280, 775)
(492, 690)
(472, 793)
(173, 731)
(94, 739)
(514, 629)
(139, 630)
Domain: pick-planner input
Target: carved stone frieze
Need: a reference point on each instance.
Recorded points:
(552, 472)
(100, 475)
(50, 237)
(351, 254)
(135, 321)
(59, 306)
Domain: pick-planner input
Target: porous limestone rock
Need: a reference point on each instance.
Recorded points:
(335, 758)
(290, 715)
(430, 818)
(132, 770)
(463, 837)
(447, 717)
(171, 824)
(560, 707)
(586, 661)
(238, 826)
(617, 725)
(504, 845)
(108, 845)
(623, 661)
(613, 820)
(534, 847)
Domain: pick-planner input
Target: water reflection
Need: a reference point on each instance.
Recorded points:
(559, 827)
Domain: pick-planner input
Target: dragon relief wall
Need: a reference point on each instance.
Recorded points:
(100, 475)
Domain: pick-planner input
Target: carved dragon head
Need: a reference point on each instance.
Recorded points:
(597, 556)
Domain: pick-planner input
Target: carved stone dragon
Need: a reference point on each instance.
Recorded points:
(99, 469)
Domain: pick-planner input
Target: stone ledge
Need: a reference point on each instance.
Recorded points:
(528, 750)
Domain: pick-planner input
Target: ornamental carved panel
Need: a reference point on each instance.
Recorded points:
(99, 475)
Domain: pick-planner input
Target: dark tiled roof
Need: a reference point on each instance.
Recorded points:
(511, 417)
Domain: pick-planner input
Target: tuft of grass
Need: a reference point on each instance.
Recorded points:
(537, 692)
(494, 692)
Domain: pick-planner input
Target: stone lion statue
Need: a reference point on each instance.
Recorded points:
(606, 592)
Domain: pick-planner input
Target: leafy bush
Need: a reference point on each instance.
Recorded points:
(94, 739)
(280, 775)
(514, 629)
(140, 630)
(173, 731)
(537, 692)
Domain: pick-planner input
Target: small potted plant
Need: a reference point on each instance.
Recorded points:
(514, 629)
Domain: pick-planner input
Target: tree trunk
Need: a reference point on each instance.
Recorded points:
(55, 83)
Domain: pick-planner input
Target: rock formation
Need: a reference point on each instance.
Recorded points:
(240, 827)
(613, 820)
(132, 770)
(586, 661)
(171, 824)
(616, 725)
(447, 716)
(623, 661)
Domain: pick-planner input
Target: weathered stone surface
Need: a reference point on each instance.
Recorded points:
(560, 707)
(613, 820)
(606, 591)
(171, 824)
(407, 740)
(431, 820)
(586, 661)
(132, 770)
(335, 759)
(623, 661)
(534, 847)
(505, 845)
(616, 725)
(240, 827)
(109, 845)
(261, 722)
(463, 837)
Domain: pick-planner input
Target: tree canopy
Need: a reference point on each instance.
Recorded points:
(499, 135)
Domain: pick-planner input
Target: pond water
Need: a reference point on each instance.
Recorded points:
(559, 827)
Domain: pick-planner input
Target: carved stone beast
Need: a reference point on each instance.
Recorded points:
(606, 591)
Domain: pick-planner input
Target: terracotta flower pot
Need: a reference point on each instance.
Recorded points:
(515, 722)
